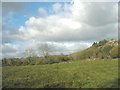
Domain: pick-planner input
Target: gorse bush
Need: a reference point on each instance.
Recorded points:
(114, 52)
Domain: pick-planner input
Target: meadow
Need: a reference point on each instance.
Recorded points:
(99, 73)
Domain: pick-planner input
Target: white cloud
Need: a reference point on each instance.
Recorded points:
(87, 21)
(57, 7)
(67, 7)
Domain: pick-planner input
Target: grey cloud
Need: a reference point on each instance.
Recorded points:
(0, 23)
(42, 12)
(119, 20)
(9, 48)
(10, 34)
(99, 13)
(12, 6)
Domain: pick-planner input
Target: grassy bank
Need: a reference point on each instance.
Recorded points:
(72, 74)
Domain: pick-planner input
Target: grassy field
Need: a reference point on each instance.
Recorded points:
(73, 74)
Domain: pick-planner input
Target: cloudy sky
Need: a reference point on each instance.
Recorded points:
(69, 26)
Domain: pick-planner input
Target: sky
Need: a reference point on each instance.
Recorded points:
(69, 26)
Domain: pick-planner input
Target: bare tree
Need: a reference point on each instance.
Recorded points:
(46, 49)
(29, 52)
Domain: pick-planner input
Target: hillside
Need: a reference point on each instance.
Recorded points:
(103, 49)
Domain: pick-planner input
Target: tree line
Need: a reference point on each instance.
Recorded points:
(31, 58)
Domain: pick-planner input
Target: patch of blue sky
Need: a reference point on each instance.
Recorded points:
(30, 9)
(17, 19)
(18, 43)
(34, 6)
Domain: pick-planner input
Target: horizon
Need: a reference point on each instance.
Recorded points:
(55, 53)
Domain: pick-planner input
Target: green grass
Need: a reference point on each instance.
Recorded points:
(73, 74)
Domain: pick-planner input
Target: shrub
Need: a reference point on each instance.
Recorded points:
(114, 52)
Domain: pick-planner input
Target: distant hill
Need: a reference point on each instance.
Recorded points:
(102, 49)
